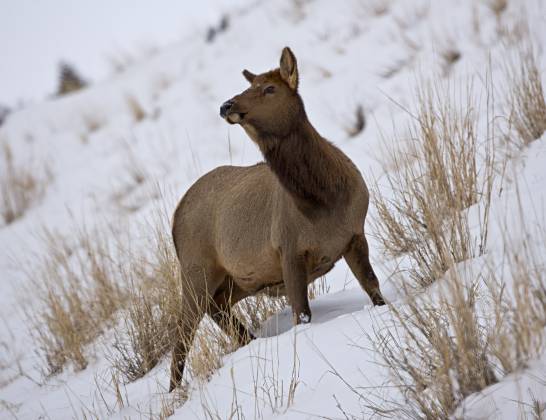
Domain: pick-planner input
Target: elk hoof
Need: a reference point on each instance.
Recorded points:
(378, 300)
(304, 318)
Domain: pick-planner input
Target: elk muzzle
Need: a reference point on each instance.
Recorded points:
(224, 109)
(231, 112)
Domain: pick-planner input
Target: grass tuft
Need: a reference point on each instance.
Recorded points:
(21, 186)
(77, 286)
(435, 178)
(526, 98)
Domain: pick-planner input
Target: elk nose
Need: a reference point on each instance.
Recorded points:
(225, 108)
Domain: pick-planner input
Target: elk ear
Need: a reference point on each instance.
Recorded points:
(289, 68)
(249, 76)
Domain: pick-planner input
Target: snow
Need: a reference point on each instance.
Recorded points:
(85, 35)
(328, 368)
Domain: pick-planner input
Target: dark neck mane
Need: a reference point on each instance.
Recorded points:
(308, 166)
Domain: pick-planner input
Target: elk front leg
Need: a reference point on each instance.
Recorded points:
(357, 257)
(294, 272)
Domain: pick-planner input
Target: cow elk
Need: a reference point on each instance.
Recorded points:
(276, 225)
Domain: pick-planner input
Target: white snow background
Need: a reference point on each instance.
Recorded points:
(346, 57)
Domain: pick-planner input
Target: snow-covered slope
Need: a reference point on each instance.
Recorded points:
(349, 54)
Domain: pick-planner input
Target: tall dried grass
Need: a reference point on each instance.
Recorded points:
(527, 107)
(498, 7)
(78, 291)
(449, 357)
(375, 8)
(21, 186)
(136, 108)
(154, 301)
(467, 336)
(477, 325)
(517, 292)
(443, 168)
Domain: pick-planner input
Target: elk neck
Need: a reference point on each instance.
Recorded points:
(308, 166)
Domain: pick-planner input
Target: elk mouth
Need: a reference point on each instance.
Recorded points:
(235, 117)
(229, 111)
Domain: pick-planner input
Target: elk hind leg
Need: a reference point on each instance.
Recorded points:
(357, 257)
(221, 312)
(195, 298)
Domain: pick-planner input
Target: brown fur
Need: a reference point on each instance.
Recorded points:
(279, 224)
(310, 168)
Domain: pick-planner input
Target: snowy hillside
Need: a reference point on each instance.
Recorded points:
(90, 180)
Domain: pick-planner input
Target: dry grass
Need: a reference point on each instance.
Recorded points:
(375, 7)
(459, 347)
(538, 408)
(154, 300)
(69, 79)
(318, 288)
(21, 186)
(143, 341)
(474, 327)
(10, 358)
(393, 69)
(449, 54)
(78, 291)
(513, 30)
(497, 7)
(92, 122)
(122, 59)
(411, 14)
(135, 169)
(449, 358)
(436, 178)
(214, 31)
(137, 187)
(359, 122)
(136, 108)
(83, 281)
(516, 332)
(527, 108)
(255, 310)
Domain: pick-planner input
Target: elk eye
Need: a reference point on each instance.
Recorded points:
(269, 89)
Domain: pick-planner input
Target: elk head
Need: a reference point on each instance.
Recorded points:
(271, 106)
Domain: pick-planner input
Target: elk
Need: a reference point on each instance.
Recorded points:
(279, 224)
